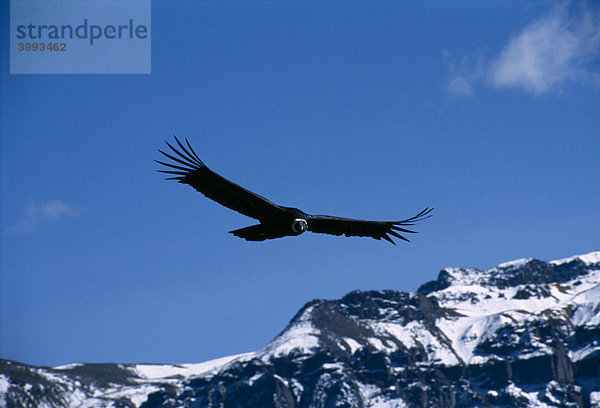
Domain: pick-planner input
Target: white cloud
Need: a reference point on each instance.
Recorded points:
(561, 46)
(38, 214)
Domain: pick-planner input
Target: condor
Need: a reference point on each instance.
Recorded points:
(275, 221)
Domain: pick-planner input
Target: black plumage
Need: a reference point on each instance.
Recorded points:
(275, 221)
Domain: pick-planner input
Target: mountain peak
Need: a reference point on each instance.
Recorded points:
(514, 273)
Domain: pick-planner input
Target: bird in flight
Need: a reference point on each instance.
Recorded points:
(275, 221)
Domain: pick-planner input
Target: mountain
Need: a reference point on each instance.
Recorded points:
(523, 334)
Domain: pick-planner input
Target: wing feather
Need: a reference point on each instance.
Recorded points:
(325, 224)
(196, 174)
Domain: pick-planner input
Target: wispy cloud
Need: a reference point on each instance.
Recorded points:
(464, 75)
(36, 215)
(562, 46)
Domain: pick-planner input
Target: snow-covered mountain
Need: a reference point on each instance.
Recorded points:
(523, 334)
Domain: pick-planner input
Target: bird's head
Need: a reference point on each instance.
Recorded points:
(299, 226)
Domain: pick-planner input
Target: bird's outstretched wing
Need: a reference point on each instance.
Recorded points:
(191, 170)
(326, 224)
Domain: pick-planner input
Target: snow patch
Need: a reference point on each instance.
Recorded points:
(68, 366)
(300, 337)
(515, 263)
(352, 344)
(378, 344)
(138, 395)
(595, 399)
(402, 333)
(415, 334)
(4, 384)
(587, 312)
(162, 371)
(338, 367)
(372, 398)
(466, 334)
(531, 397)
(254, 378)
(297, 389)
(583, 352)
(589, 259)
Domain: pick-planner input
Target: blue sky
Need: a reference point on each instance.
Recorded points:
(487, 111)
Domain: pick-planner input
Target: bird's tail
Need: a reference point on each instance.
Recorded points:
(252, 233)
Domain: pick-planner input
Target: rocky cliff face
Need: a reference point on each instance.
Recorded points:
(523, 334)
